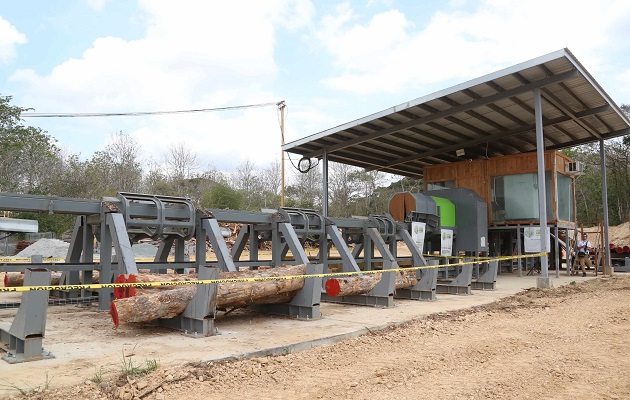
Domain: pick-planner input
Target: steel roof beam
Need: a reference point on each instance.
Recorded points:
(473, 114)
(371, 165)
(601, 121)
(557, 103)
(565, 132)
(473, 142)
(461, 136)
(455, 121)
(443, 157)
(446, 113)
(609, 135)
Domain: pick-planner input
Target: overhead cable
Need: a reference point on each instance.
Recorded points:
(141, 113)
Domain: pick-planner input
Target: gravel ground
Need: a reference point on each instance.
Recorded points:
(47, 248)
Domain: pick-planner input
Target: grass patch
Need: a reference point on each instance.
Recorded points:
(99, 376)
(28, 390)
(130, 368)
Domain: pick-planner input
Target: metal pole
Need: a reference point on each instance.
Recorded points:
(519, 250)
(602, 160)
(557, 249)
(325, 183)
(282, 107)
(542, 192)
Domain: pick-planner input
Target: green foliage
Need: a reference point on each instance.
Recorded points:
(99, 376)
(56, 223)
(588, 187)
(29, 156)
(221, 195)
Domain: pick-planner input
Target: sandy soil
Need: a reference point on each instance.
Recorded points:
(568, 342)
(619, 235)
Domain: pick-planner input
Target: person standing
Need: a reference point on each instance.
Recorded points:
(584, 258)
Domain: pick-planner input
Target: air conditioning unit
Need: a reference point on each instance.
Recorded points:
(575, 168)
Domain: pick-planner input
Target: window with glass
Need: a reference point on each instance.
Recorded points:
(441, 185)
(515, 197)
(565, 198)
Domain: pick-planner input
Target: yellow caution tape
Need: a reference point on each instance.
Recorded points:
(241, 280)
(22, 260)
(458, 256)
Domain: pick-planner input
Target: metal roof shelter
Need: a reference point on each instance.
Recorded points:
(550, 102)
(489, 116)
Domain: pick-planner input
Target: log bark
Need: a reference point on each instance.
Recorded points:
(152, 277)
(170, 303)
(12, 279)
(353, 285)
(406, 279)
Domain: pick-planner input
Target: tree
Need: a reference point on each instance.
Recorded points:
(28, 153)
(181, 161)
(305, 191)
(249, 184)
(115, 169)
(221, 195)
(271, 179)
(342, 188)
(367, 196)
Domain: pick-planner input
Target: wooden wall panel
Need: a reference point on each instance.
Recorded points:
(561, 162)
(469, 169)
(439, 173)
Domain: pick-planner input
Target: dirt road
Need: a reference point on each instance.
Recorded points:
(566, 343)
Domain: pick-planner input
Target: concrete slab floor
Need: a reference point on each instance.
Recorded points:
(84, 341)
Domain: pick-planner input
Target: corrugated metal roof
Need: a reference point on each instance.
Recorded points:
(489, 116)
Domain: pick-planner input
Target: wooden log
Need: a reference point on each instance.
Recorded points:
(406, 279)
(170, 303)
(12, 279)
(151, 277)
(353, 285)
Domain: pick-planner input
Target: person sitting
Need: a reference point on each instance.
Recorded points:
(583, 256)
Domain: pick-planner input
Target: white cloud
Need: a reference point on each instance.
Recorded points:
(195, 54)
(390, 54)
(9, 38)
(97, 5)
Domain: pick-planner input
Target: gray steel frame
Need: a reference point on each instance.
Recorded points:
(462, 281)
(23, 340)
(114, 220)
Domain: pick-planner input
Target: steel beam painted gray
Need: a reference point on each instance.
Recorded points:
(325, 183)
(602, 161)
(542, 195)
(116, 225)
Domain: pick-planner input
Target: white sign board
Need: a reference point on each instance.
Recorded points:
(532, 238)
(447, 242)
(418, 230)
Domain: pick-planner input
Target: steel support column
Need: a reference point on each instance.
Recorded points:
(325, 183)
(557, 249)
(602, 160)
(542, 191)
(519, 250)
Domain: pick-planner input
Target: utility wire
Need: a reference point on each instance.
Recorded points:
(141, 113)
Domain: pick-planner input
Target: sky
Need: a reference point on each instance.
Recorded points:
(330, 61)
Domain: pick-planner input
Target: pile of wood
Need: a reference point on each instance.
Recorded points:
(22, 244)
(170, 301)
